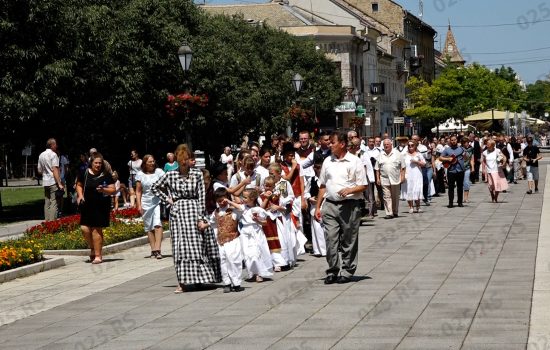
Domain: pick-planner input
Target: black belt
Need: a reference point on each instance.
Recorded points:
(343, 201)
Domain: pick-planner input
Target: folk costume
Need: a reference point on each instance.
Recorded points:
(256, 253)
(271, 231)
(196, 253)
(317, 232)
(296, 213)
(285, 226)
(224, 221)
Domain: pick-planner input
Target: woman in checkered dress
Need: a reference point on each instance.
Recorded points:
(194, 248)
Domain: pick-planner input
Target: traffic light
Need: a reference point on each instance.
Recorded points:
(360, 111)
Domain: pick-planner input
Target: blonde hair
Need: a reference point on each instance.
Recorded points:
(276, 167)
(252, 194)
(269, 180)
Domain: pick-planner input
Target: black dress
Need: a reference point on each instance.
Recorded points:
(95, 210)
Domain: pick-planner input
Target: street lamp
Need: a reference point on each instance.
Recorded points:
(185, 55)
(298, 82)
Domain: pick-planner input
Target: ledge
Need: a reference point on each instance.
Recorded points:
(31, 269)
(110, 249)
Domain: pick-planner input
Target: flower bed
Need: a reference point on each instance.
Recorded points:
(64, 234)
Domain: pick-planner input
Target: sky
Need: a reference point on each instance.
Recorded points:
(491, 32)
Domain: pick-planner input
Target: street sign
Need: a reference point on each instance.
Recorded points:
(367, 121)
(398, 120)
(345, 106)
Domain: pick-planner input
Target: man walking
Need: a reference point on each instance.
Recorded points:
(48, 167)
(341, 184)
(390, 173)
(454, 156)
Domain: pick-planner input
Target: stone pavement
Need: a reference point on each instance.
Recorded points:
(458, 278)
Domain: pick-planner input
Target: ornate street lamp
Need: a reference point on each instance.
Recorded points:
(298, 82)
(185, 55)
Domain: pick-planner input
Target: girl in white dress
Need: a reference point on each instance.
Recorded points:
(414, 162)
(148, 204)
(257, 256)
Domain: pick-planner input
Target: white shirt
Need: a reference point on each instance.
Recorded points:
(491, 161)
(262, 171)
(227, 159)
(256, 180)
(46, 162)
(135, 166)
(390, 166)
(307, 172)
(365, 158)
(337, 174)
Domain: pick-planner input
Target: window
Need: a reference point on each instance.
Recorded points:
(374, 7)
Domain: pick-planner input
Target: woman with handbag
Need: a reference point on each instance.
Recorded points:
(94, 188)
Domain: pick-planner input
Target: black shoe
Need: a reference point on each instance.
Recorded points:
(227, 288)
(536, 190)
(504, 191)
(426, 203)
(515, 182)
(529, 192)
(343, 279)
(461, 205)
(236, 289)
(330, 279)
(450, 206)
(395, 215)
(388, 217)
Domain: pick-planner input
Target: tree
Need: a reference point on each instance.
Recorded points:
(97, 73)
(461, 91)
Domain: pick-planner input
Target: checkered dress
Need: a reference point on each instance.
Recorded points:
(196, 254)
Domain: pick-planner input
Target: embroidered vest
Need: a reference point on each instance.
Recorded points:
(227, 227)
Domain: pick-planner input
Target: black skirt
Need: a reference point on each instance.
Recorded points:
(95, 213)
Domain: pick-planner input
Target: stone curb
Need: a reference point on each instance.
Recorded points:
(31, 269)
(110, 249)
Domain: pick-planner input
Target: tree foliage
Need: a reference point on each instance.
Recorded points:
(98, 72)
(461, 91)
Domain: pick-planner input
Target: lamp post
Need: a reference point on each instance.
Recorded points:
(297, 84)
(185, 55)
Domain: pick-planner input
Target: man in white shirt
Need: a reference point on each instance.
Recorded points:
(48, 166)
(341, 184)
(390, 173)
(227, 158)
(369, 157)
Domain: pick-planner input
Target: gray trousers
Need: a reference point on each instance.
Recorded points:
(50, 203)
(341, 221)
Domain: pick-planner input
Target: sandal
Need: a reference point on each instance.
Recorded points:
(97, 261)
(259, 279)
(159, 255)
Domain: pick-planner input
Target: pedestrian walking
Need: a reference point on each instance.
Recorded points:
(134, 167)
(390, 173)
(531, 155)
(453, 157)
(414, 162)
(194, 249)
(148, 204)
(48, 167)
(492, 160)
(341, 184)
(94, 188)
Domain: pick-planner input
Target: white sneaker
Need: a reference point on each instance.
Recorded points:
(411, 211)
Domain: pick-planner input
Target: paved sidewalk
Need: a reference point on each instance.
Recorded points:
(458, 278)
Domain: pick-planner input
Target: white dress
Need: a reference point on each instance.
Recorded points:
(257, 256)
(413, 174)
(150, 202)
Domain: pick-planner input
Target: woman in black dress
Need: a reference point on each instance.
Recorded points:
(94, 188)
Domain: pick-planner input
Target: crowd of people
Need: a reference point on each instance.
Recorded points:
(268, 204)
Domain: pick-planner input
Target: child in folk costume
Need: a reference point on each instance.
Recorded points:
(224, 221)
(285, 226)
(269, 200)
(311, 192)
(253, 241)
(292, 172)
